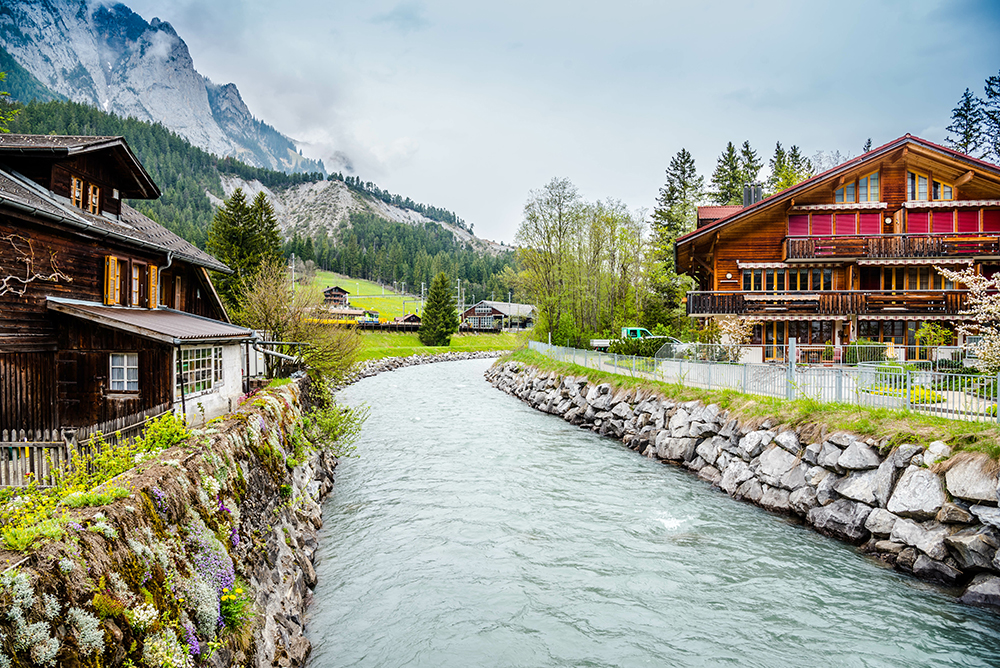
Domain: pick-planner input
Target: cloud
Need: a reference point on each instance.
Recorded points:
(405, 17)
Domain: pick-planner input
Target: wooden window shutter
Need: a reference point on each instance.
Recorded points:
(154, 286)
(111, 277)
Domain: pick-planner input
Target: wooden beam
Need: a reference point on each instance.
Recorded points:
(702, 263)
(964, 178)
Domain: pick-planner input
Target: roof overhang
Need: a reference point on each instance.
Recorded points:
(163, 325)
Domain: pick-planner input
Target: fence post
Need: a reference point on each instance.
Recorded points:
(996, 398)
(746, 378)
(710, 365)
(840, 384)
(790, 373)
(909, 404)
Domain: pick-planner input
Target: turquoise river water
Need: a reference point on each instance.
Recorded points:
(471, 530)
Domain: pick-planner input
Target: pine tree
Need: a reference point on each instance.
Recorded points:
(244, 237)
(726, 186)
(779, 168)
(750, 164)
(788, 168)
(991, 116)
(439, 320)
(967, 125)
(868, 146)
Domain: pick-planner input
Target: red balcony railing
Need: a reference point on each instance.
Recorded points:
(892, 246)
(840, 303)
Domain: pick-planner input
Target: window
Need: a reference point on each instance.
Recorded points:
(916, 187)
(845, 193)
(200, 370)
(112, 280)
(135, 285)
(482, 309)
(94, 199)
(76, 192)
(941, 191)
(124, 372)
(868, 188)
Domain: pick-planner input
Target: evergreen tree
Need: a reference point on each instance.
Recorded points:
(991, 117)
(868, 146)
(967, 125)
(677, 206)
(439, 320)
(7, 111)
(726, 179)
(244, 237)
(787, 168)
(750, 165)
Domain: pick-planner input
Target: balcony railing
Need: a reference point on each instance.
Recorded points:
(891, 246)
(840, 303)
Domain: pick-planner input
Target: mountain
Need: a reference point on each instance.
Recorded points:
(107, 56)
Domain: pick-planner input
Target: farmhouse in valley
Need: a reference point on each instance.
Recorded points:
(490, 315)
(850, 253)
(104, 314)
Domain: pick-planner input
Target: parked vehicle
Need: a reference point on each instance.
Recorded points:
(631, 333)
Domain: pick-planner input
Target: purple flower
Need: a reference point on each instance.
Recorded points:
(192, 640)
(234, 538)
(159, 496)
(75, 527)
(263, 424)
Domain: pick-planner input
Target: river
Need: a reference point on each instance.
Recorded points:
(471, 530)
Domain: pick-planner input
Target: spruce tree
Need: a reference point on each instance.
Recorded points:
(244, 237)
(750, 164)
(726, 185)
(439, 320)
(868, 146)
(991, 117)
(677, 205)
(967, 125)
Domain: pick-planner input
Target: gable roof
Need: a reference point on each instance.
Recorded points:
(22, 194)
(57, 147)
(506, 308)
(871, 156)
(717, 212)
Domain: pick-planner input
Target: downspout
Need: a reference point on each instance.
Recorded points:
(159, 277)
(180, 377)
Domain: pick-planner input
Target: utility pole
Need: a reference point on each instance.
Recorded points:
(293, 272)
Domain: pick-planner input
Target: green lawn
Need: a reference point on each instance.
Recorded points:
(376, 345)
(369, 296)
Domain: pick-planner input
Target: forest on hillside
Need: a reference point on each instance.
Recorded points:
(370, 247)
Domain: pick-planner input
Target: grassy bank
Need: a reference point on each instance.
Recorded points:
(369, 296)
(879, 423)
(376, 345)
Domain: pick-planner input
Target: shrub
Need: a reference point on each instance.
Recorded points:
(236, 606)
(165, 650)
(89, 634)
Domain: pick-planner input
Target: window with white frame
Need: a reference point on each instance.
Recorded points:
(124, 372)
(200, 369)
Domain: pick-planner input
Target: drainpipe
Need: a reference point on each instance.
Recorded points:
(180, 377)
(159, 276)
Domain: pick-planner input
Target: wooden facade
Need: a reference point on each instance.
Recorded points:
(855, 244)
(55, 369)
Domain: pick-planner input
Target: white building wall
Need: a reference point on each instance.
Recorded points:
(223, 396)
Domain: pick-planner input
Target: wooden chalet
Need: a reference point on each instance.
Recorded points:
(104, 314)
(490, 315)
(408, 319)
(335, 296)
(850, 253)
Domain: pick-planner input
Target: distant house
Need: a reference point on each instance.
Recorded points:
(410, 318)
(346, 313)
(490, 315)
(335, 296)
(104, 314)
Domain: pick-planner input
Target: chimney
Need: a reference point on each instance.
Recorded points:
(752, 193)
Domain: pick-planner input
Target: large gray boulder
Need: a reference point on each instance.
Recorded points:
(788, 440)
(903, 455)
(936, 452)
(918, 494)
(973, 548)
(752, 445)
(938, 571)
(775, 462)
(735, 475)
(859, 456)
(973, 477)
(811, 454)
(676, 449)
(841, 438)
(929, 539)
(880, 522)
(803, 500)
(751, 490)
(859, 486)
(952, 513)
(842, 519)
(829, 455)
(775, 499)
(679, 423)
(983, 590)
(825, 490)
(885, 480)
(709, 449)
(622, 410)
(987, 515)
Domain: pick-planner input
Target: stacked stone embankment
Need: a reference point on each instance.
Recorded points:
(370, 368)
(917, 508)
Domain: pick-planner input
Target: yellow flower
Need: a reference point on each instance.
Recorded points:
(239, 591)
(225, 589)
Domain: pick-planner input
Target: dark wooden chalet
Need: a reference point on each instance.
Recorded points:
(104, 314)
(850, 253)
(335, 296)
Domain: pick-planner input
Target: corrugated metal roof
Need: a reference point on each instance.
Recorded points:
(13, 141)
(20, 193)
(161, 324)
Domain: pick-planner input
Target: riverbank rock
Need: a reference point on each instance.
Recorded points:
(918, 494)
(973, 477)
(842, 519)
(983, 590)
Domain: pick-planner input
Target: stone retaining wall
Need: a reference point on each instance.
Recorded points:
(913, 507)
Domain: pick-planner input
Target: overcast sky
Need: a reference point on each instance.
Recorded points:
(470, 105)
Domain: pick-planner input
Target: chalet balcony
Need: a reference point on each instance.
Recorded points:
(891, 246)
(841, 303)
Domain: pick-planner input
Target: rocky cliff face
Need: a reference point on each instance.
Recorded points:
(110, 57)
(310, 208)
